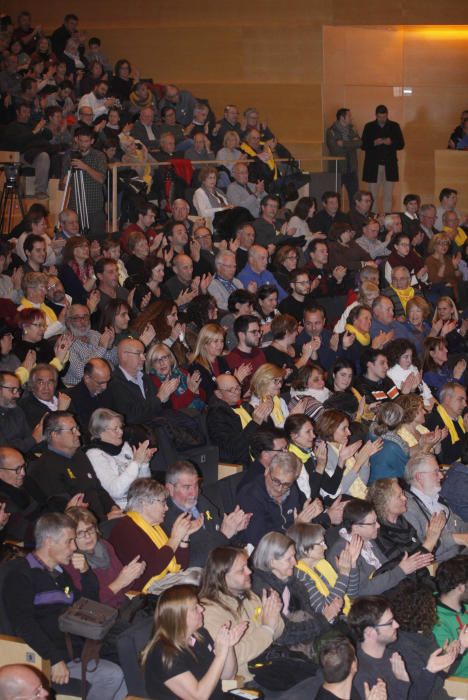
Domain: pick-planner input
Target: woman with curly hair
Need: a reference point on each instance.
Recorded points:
(401, 355)
(163, 317)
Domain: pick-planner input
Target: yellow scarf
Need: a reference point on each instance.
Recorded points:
(358, 488)
(326, 572)
(460, 238)
(277, 412)
(404, 295)
(270, 162)
(362, 338)
(244, 415)
(50, 315)
(159, 538)
(302, 454)
(449, 424)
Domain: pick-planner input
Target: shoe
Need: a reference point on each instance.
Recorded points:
(41, 195)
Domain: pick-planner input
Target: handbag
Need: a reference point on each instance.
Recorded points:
(87, 618)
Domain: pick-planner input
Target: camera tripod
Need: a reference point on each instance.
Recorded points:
(10, 199)
(75, 180)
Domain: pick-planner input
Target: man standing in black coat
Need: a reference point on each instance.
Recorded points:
(381, 139)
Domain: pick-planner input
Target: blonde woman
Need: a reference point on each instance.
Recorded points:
(446, 324)
(326, 585)
(182, 660)
(413, 431)
(368, 293)
(265, 386)
(207, 357)
(230, 153)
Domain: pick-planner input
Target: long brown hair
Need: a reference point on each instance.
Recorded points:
(170, 623)
(155, 314)
(213, 584)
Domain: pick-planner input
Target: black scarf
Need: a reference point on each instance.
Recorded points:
(112, 450)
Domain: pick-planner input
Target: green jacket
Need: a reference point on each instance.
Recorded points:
(447, 627)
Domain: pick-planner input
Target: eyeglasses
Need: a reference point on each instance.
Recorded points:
(160, 500)
(85, 533)
(280, 449)
(385, 624)
(163, 358)
(17, 470)
(281, 484)
(319, 544)
(233, 389)
(42, 382)
(132, 352)
(374, 522)
(13, 389)
(257, 332)
(38, 325)
(80, 318)
(74, 430)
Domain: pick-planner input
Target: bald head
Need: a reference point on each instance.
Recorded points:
(183, 268)
(258, 258)
(96, 375)
(19, 680)
(131, 354)
(228, 389)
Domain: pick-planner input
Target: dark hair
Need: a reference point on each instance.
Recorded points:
(52, 422)
(396, 348)
(303, 206)
(357, 196)
(102, 263)
(381, 109)
(242, 323)
(356, 312)
(240, 296)
(431, 344)
(50, 111)
(336, 656)
(213, 583)
(411, 198)
(121, 62)
(110, 310)
(142, 207)
(464, 449)
(414, 606)
(166, 109)
(342, 401)
(84, 131)
(198, 310)
(302, 376)
(337, 229)
(27, 83)
(282, 324)
(366, 612)
(399, 237)
(294, 423)
(70, 16)
(446, 192)
(330, 194)
(263, 439)
(342, 112)
(30, 241)
(94, 41)
(355, 511)
(297, 272)
(452, 573)
(270, 197)
(316, 242)
(370, 355)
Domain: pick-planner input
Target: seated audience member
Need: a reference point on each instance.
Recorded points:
(63, 469)
(274, 562)
(256, 271)
(414, 607)
(227, 597)
(299, 294)
(413, 429)
(400, 291)
(356, 338)
(144, 129)
(374, 384)
(424, 479)
(454, 231)
(208, 357)
(247, 352)
(446, 323)
(207, 199)
(367, 294)
(228, 155)
(241, 193)
(309, 386)
(391, 459)
(333, 282)
(266, 309)
(315, 332)
(15, 430)
(417, 326)
(275, 500)
(350, 460)
(182, 659)
(383, 320)
(265, 388)
(330, 214)
(146, 216)
(455, 484)
(369, 240)
(182, 287)
(338, 663)
(135, 262)
(40, 577)
(115, 463)
(131, 389)
(76, 271)
(42, 396)
(245, 237)
(343, 249)
(240, 303)
(268, 228)
(224, 282)
(436, 370)
(328, 586)
(175, 384)
(401, 355)
(21, 680)
(33, 328)
(87, 343)
(183, 486)
(282, 352)
(360, 518)
(230, 426)
(140, 532)
(91, 392)
(262, 165)
(34, 286)
(396, 535)
(264, 445)
(149, 291)
(360, 210)
(450, 413)
(404, 255)
(94, 553)
(441, 271)
(375, 630)
(452, 613)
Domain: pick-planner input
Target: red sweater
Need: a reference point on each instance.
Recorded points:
(236, 358)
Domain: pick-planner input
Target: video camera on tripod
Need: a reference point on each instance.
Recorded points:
(75, 178)
(11, 198)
